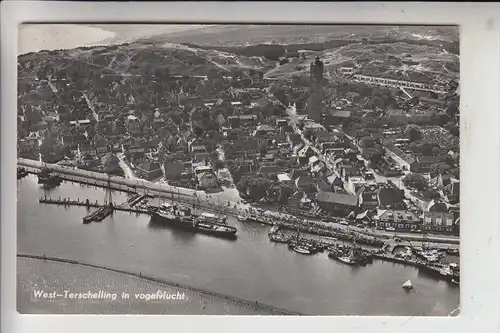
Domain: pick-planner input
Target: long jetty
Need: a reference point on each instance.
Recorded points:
(135, 186)
(86, 203)
(161, 281)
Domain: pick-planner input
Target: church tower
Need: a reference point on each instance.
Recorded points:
(315, 105)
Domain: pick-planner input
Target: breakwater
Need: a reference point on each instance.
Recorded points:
(276, 310)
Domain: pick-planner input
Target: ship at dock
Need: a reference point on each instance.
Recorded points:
(183, 217)
(98, 215)
(352, 255)
(102, 212)
(302, 245)
(48, 179)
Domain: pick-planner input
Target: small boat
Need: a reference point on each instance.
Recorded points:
(407, 285)
(347, 260)
(242, 218)
(302, 249)
(454, 281)
(278, 238)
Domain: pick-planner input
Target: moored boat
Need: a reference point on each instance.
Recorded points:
(98, 215)
(241, 218)
(181, 217)
(302, 249)
(278, 238)
(407, 285)
(338, 255)
(215, 229)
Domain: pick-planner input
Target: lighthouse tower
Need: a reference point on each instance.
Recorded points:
(315, 105)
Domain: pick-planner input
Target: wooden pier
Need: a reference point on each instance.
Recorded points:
(86, 203)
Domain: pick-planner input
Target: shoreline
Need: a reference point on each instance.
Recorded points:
(34, 38)
(278, 311)
(69, 36)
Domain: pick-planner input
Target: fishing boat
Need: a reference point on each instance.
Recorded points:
(407, 285)
(45, 177)
(102, 212)
(339, 256)
(278, 238)
(302, 249)
(97, 216)
(273, 229)
(215, 229)
(241, 218)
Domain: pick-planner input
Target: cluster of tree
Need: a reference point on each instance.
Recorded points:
(255, 187)
(425, 148)
(413, 133)
(416, 180)
(375, 156)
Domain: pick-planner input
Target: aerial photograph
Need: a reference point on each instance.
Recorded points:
(289, 170)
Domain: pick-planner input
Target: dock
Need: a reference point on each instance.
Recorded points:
(422, 266)
(86, 203)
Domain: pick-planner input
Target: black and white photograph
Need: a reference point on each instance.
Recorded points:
(242, 169)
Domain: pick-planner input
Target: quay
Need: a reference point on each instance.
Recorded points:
(332, 232)
(421, 265)
(189, 197)
(104, 180)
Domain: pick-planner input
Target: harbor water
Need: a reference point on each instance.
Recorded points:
(250, 268)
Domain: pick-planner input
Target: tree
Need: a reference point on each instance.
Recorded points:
(190, 85)
(366, 142)
(376, 157)
(213, 74)
(415, 180)
(440, 168)
(263, 148)
(285, 191)
(453, 109)
(431, 194)
(413, 132)
(258, 187)
(441, 118)
(197, 130)
(452, 128)
(218, 164)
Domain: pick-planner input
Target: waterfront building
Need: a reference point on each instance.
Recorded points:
(149, 170)
(438, 222)
(398, 219)
(337, 203)
(207, 179)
